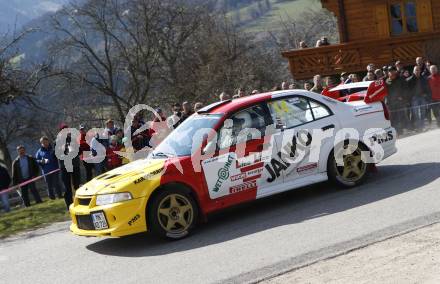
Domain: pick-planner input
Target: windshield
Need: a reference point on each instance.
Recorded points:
(180, 141)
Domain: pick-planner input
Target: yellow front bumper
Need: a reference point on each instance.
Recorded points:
(124, 218)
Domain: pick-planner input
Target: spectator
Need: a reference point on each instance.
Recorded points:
(353, 78)
(396, 99)
(224, 97)
(424, 72)
(110, 127)
(434, 84)
(84, 147)
(119, 134)
(406, 74)
(399, 67)
(139, 139)
(113, 159)
(241, 93)
(103, 139)
(198, 106)
(344, 77)
(370, 76)
(284, 85)
(307, 86)
(70, 178)
(330, 82)
(158, 130)
(419, 91)
(324, 41)
(302, 44)
(317, 84)
(174, 120)
(48, 162)
(128, 150)
(255, 92)
(379, 74)
(370, 68)
(292, 86)
(24, 168)
(187, 111)
(5, 181)
(318, 43)
(160, 115)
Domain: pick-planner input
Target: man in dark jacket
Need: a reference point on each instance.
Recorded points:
(24, 168)
(48, 162)
(418, 90)
(69, 178)
(396, 99)
(5, 180)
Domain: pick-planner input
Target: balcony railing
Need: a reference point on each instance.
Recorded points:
(354, 57)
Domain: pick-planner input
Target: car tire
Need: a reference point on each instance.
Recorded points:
(354, 171)
(173, 214)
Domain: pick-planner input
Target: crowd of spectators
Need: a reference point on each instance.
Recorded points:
(413, 91)
(411, 99)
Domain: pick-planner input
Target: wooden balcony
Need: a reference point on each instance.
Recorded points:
(355, 56)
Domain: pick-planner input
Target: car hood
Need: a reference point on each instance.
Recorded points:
(124, 178)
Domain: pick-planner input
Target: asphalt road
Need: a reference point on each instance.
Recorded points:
(250, 242)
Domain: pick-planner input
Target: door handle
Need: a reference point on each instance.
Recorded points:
(328, 127)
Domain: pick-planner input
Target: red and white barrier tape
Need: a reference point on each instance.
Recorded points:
(16, 187)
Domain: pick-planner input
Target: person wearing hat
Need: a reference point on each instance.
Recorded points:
(397, 98)
(24, 168)
(48, 162)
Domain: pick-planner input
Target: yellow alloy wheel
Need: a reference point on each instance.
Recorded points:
(354, 168)
(175, 213)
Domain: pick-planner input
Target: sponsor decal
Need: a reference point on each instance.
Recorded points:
(223, 174)
(139, 180)
(242, 187)
(382, 138)
(306, 168)
(134, 219)
(239, 176)
(278, 165)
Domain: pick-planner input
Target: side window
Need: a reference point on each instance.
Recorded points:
(319, 110)
(255, 117)
(291, 112)
(295, 111)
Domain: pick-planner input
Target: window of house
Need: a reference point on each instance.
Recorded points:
(403, 17)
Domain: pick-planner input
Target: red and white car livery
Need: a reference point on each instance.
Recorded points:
(237, 151)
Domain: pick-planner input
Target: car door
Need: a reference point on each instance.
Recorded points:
(305, 124)
(235, 173)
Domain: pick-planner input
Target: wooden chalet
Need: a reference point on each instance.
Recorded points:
(372, 31)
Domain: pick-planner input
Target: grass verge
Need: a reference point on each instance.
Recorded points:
(33, 217)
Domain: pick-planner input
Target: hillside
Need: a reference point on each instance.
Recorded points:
(259, 16)
(16, 13)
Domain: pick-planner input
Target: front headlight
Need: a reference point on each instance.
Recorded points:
(104, 199)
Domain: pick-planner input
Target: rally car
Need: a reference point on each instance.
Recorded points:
(233, 152)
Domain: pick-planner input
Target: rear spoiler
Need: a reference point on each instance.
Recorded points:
(375, 91)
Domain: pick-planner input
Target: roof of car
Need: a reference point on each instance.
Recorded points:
(236, 104)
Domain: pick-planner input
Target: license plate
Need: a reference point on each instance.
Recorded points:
(99, 221)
